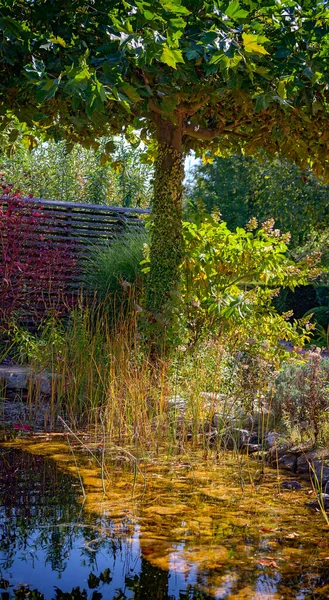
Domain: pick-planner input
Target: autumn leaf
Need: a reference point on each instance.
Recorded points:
(267, 562)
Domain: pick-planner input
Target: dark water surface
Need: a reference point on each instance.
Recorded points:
(196, 531)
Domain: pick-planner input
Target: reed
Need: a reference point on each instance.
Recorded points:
(103, 380)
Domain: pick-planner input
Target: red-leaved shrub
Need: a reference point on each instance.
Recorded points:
(36, 265)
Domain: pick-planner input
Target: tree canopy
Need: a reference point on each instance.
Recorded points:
(243, 187)
(237, 73)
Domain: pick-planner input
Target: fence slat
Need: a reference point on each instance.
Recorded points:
(81, 225)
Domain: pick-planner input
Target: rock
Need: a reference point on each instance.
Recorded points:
(16, 377)
(319, 503)
(43, 382)
(216, 420)
(252, 448)
(320, 473)
(212, 435)
(271, 439)
(177, 403)
(290, 485)
(255, 439)
(288, 461)
(302, 465)
(309, 464)
(255, 422)
(235, 438)
(274, 454)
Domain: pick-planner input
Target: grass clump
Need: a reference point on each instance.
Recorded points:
(113, 272)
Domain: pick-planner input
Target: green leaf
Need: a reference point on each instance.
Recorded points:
(169, 103)
(47, 90)
(282, 89)
(171, 57)
(175, 7)
(58, 40)
(193, 54)
(233, 10)
(178, 22)
(148, 15)
(14, 27)
(130, 91)
(251, 43)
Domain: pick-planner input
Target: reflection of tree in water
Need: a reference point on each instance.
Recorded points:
(40, 509)
(35, 497)
(152, 583)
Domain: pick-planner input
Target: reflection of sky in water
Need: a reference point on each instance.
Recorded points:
(32, 566)
(48, 540)
(182, 570)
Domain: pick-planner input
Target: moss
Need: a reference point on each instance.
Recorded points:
(167, 239)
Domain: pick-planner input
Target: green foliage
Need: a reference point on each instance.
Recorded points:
(222, 184)
(114, 273)
(241, 73)
(228, 283)
(320, 315)
(76, 174)
(302, 394)
(322, 295)
(242, 187)
(212, 75)
(234, 275)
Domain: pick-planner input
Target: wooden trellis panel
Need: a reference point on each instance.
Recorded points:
(71, 226)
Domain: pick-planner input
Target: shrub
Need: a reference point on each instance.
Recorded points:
(302, 394)
(34, 268)
(231, 277)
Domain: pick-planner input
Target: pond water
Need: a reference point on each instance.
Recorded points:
(183, 528)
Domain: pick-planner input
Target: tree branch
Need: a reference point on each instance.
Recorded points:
(190, 109)
(207, 135)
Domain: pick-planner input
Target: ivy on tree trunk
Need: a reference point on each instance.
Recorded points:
(166, 236)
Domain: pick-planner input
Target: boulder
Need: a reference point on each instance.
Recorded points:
(290, 485)
(274, 454)
(320, 474)
(271, 439)
(16, 377)
(288, 461)
(235, 438)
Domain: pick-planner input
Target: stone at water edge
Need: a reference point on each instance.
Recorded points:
(235, 438)
(290, 485)
(321, 502)
(271, 439)
(16, 377)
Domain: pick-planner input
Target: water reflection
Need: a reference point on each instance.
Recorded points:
(187, 539)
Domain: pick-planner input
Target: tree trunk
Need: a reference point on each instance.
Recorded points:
(166, 235)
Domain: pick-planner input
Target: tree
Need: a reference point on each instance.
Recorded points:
(51, 171)
(241, 187)
(188, 74)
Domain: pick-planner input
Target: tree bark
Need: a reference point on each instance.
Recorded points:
(166, 235)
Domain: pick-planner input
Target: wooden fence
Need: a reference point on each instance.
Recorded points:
(64, 230)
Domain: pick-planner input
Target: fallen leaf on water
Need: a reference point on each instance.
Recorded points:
(148, 551)
(267, 562)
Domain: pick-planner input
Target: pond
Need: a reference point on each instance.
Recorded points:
(178, 528)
